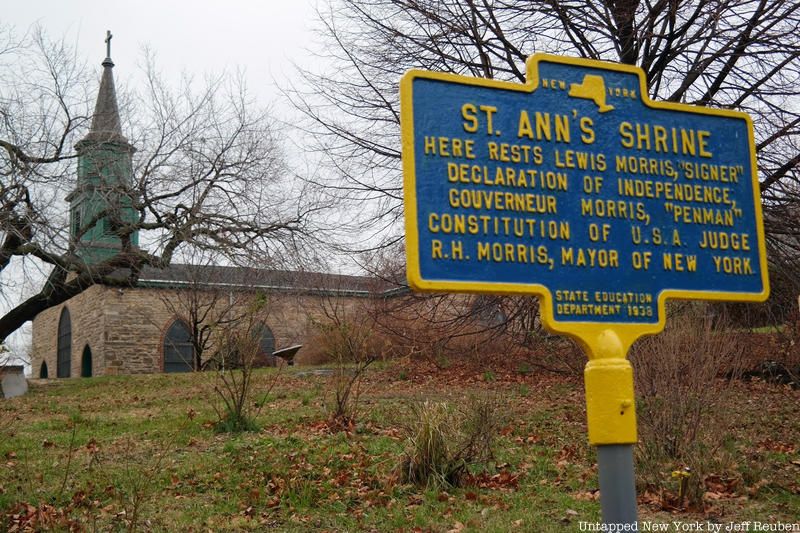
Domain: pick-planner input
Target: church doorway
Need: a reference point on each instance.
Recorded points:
(86, 362)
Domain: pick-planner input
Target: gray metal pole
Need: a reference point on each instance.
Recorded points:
(617, 483)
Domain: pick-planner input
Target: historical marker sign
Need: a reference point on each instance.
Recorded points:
(576, 187)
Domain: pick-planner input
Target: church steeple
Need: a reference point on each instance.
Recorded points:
(102, 202)
(106, 126)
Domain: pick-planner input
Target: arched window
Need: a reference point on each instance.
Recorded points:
(43, 371)
(266, 340)
(266, 345)
(64, 349)
(86, 362)
(178, 349)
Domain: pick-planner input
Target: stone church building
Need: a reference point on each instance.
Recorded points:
(145, 327)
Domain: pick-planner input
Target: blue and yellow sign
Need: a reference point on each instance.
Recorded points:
(578, 188)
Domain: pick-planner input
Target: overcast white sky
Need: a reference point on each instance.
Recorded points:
(199, 36)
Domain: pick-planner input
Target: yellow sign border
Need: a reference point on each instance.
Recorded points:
(586, 333)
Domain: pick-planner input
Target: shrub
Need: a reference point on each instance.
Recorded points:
(313, 352)
(351, 352)
(238, 355)
(347, 335)
(681, 388)
(443, 442)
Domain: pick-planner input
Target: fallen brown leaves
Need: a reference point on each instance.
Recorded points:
(770, 445)
(717, 488)
(27, 517)
(502, 481)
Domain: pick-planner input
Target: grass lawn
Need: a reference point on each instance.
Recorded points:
(106, 453)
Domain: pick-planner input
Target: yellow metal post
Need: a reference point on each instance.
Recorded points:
(610, 405)
(611, 417)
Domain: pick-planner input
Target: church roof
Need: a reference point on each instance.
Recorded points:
(245, 278)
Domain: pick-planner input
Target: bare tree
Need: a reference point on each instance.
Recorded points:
(238, 353)
(730, 54)
(206, 307)
(206, 173)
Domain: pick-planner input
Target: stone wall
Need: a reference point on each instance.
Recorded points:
(125, 328)
(137, 322)
(86, 314)
(134, 319)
